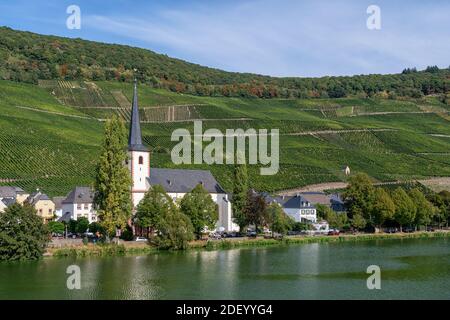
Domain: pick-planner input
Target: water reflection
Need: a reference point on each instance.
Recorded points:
(410, 269)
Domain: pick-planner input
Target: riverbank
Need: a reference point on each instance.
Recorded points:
(133, 248)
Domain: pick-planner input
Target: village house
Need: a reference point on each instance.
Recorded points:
(297, 207)
(10, 195)
(77, 204)
(333, 201)
(176, 182)
(58, 206)
(44, 206)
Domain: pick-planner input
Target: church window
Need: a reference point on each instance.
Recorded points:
(141, 160)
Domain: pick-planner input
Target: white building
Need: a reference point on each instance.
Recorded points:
(79, 203)
(297, 207)
(176, 182)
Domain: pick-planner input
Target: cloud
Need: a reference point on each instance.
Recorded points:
(289, 38)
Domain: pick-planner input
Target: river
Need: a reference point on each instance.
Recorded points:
(410, 268)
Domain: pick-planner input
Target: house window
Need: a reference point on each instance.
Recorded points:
(79, 206)
(50, 211)
(86, 206)
(141, 160)
(40, 210)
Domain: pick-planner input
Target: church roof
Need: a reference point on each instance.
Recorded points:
(135, 136)
(183, 181)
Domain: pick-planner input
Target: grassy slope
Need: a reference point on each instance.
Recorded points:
(55, 152)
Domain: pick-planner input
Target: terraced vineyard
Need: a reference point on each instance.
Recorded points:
(50, 134)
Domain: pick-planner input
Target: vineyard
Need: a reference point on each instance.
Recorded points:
(50, 133)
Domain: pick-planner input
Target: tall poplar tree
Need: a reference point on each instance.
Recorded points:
(113, 181)
(239, 199)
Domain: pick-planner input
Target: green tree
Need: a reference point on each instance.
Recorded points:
(72, 226)
(336, 220)
(154, 204)
(175, 230)
(358, 221)
(440, 208)
(405, 210)
(200, 208)
(383, 207)
(113, 181)
(445, 196)
(359, 196)
(321, 211)
(23, 235)
(279, 221)
(239, 199)
(82, 225)
(256, 210)
(424, 209)
(56, 227)
(95, 227)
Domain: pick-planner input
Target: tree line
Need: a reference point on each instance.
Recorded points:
(28, 57)
(371, 208)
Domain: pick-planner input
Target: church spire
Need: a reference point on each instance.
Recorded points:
(135, 137)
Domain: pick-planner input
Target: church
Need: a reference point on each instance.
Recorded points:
(176, 182)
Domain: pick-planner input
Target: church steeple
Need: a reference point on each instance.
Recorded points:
(135, 137)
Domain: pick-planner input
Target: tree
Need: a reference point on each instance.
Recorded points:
(56, 227)
(405, 210)
(200, 208)
(23, 235)
(439, 215)
(336, 220)
(322, 211)
(383, 207)
(72, 226)
(445, 196)
(154, 204)
(359, 196)
(82, 225)
(95, 227)
(256, 210)
(424, 209)
(239, 199)
(113, 181)
(358, 221)
(279, 221)
(175, 230)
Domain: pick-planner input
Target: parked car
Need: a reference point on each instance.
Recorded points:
(141, 239)
(251, 234)
(230, 235)
(333, 232)
(430, 229)
(214, 236)
(391, 230)
(408, 230)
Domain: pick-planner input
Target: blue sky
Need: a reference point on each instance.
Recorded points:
(274, 37)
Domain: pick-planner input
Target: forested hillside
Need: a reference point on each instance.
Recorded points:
(29, 57)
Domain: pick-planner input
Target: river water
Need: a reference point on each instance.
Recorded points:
(410, 268)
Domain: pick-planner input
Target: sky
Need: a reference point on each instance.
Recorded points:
(309, 38)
